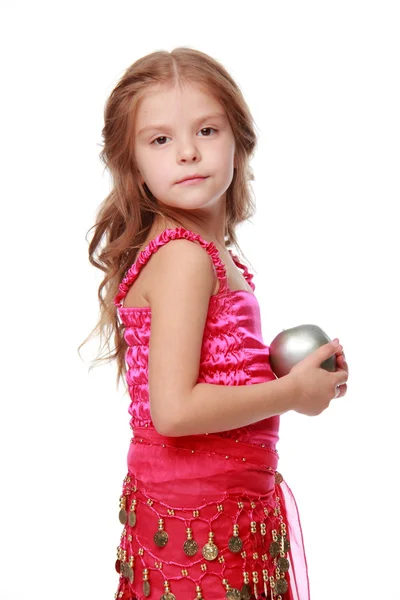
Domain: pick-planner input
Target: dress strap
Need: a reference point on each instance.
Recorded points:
(247, 275)
(161, 240)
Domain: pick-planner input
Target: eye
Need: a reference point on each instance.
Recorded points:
(208, 128)
(162, 137)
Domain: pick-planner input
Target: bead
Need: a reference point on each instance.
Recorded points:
(168, 595)
(283, 542)
(199, 595)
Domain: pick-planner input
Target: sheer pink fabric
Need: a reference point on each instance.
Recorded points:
(229, 478)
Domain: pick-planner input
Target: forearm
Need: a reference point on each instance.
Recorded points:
(211, 408)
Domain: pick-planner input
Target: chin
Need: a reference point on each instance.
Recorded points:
(188, 203)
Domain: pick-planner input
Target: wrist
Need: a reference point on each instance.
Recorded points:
(292, 391)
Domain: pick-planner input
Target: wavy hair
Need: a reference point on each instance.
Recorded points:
(125, 216)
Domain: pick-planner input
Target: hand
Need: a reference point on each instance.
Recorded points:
(315, 387)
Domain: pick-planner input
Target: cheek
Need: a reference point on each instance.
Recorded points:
(159, 175)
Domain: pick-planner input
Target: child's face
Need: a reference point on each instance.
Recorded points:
(185, 147)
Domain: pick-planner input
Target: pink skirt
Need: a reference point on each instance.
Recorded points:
(207, 518)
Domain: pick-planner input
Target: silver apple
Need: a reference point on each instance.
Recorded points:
(292, 345)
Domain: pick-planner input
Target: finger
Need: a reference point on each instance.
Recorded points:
(341, 390)
(341, 362)
(341, 376)
(323, 353)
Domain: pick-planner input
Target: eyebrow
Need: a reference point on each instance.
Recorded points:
(199, 120)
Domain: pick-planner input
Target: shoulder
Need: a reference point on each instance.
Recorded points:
(181, 264)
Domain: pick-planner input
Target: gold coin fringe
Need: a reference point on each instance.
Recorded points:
(272, 584)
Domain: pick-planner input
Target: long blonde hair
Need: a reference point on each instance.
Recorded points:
(126, 215)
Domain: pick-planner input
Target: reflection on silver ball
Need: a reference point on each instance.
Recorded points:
(292, 345)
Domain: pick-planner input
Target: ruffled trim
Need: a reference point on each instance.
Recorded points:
(154, 245)
(247, 275)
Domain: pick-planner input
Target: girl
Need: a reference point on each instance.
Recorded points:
(205, 513)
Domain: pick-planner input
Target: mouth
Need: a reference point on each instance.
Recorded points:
(194, 179)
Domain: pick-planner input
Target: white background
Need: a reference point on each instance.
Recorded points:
(322, 82)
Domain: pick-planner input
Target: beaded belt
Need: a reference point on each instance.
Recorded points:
(209, 482)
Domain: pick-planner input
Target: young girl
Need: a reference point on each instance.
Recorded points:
(205, 513)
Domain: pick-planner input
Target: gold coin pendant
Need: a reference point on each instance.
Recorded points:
(161, 538)
(190, 547)
(235, 544)
(210, 551)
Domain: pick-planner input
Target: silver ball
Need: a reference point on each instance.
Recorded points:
(292, 345)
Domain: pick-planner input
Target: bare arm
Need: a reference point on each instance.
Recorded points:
(182, 281)
(210, 408)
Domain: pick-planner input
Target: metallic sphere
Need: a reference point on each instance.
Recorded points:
(292, 345)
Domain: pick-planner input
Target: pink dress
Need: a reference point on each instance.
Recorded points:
(206, 516)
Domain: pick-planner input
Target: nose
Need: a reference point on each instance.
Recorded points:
(188, 151)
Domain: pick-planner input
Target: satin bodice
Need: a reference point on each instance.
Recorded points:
(233, 352)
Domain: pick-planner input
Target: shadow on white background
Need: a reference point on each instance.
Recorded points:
(322, 84)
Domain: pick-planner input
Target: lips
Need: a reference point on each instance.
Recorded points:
(192, 177)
